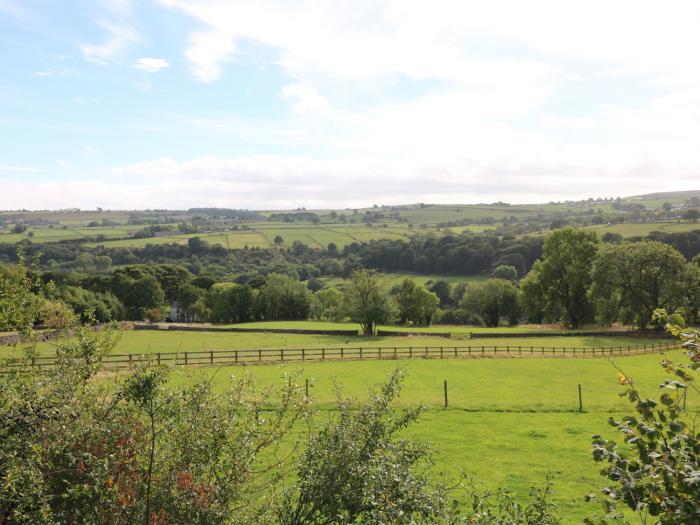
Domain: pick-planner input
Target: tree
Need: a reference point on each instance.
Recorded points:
(329, 304)
(278, 240)
(229, 303)
(367, 300)
(56, 315)
(492, 301)
(505, 272)
(415, 303)
(284, 298)
(692, 214)
(443, 290)
(358, 468)
(186, 296)
(631, 280)
(75, 449)
(557, 288)
(20, 296)
(19, 228)
(138, 295)
(657, 471)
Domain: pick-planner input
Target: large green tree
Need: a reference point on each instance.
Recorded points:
(492, 301)
(557, 288)
(367, 300)
(415, 303)
(283, 297)
(631, 280)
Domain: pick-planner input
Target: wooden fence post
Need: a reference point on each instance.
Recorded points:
(211, 357)
(580, 399)
(445, 387)
(307, 388)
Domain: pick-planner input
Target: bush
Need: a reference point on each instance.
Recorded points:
(657, 472)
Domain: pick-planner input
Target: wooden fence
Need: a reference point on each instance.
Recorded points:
(249, 356)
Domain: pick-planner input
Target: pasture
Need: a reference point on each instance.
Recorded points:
(642, 229)
(508, 421)
(151, 342)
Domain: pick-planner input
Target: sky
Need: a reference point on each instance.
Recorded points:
(344, 103)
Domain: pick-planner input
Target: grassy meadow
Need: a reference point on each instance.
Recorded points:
(509, 421)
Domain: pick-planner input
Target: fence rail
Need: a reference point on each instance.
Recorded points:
(245, 356)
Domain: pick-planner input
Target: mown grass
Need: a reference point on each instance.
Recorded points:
(509, 421)
(148, 342)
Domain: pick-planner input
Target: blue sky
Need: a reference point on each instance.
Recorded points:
(268, 104)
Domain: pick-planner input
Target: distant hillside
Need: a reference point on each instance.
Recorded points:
(667, 195)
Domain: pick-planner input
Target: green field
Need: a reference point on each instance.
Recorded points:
(645, 228)
(148, 342)
(508, 421)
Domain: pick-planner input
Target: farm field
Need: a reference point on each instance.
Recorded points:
(509, 421)
(149, 342)
(643, 229)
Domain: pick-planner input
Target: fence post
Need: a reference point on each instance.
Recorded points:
(259, 354)
(236, 356)
(395, 354)
(580, 399)
(379, 350)
(307, 388)
(211, 357)
(441, 354)
(129, 360)
(360, 353)
(158, 358)
(342, 352)
(410, 352)
(303, 358)
(323, 354)
(445, 387)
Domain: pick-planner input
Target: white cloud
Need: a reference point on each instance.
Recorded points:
(152, 65)
(308, 100)
(120, 35)
(276, 182)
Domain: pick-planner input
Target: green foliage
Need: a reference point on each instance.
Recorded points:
(138, 294)
(502, 508)
(357, 469)
(657, 472)
(630, 280)
(492, 301)
(283, 298)
(328, 305)
(91, 306)
(229, 303)
(505, 271)
(74, 450)
(415, 303)
(557, 288)
(367, 300)
(20, 296)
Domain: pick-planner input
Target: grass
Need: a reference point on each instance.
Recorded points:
(148, 342)
(645, 228)
(509, 422)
